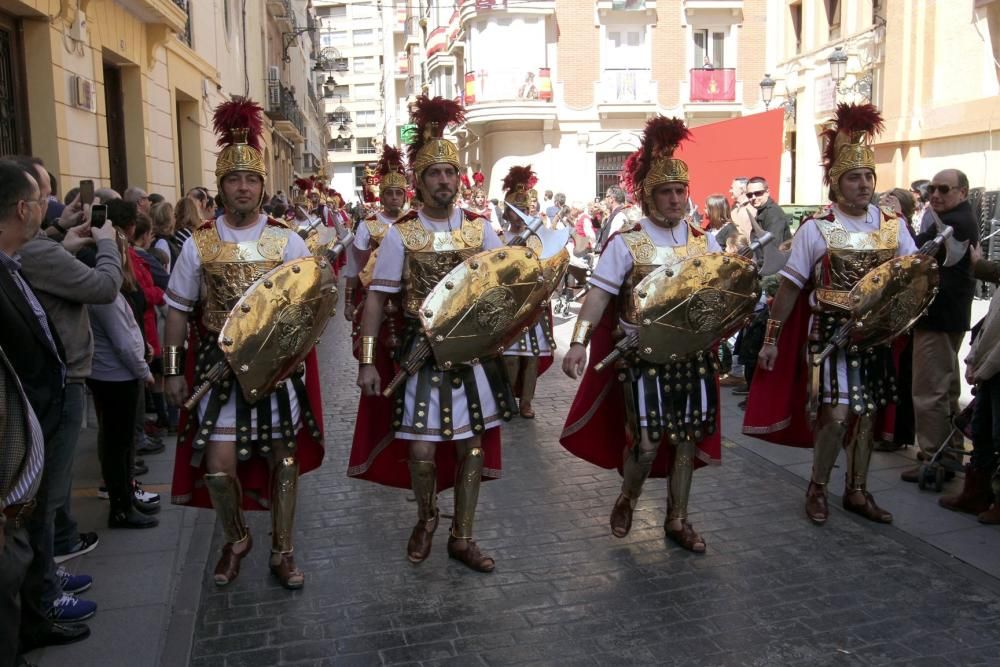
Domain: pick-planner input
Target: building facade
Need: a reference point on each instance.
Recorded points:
(931, 67)
(352, 47)
(567, 85)
(122, 91)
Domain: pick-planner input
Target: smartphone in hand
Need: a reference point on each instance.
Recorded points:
(98, 215)
(87, 192)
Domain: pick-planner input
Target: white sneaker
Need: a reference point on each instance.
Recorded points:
(143, 495)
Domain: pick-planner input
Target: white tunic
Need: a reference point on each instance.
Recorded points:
(184, 291)
(809, 247)
(387, 277)
(357, 254)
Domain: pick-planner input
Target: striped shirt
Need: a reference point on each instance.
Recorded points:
(22, 448)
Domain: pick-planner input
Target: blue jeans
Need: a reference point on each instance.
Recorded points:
(59, 455)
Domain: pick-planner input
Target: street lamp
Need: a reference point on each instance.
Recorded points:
(329, 87)
(838, 64)
(767, 90)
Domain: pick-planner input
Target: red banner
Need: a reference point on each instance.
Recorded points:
(713, 85)
(745, 146)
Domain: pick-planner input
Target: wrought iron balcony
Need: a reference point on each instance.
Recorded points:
(285, 113)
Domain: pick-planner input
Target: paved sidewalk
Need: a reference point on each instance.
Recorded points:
(772, 590)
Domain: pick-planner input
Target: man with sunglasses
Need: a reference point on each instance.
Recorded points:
(769, 217)
(938, 335)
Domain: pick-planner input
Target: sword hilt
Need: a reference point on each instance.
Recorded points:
(410, 365)
(621, 347)
(220, 371)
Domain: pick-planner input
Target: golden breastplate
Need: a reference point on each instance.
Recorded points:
(228, 269)
(377, 229)
(646, 258)
(849, 256)
(431, 255)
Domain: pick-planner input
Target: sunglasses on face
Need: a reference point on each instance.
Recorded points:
(941, 189)
(757, 194)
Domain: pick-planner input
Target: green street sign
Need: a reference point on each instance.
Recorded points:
(408, 133)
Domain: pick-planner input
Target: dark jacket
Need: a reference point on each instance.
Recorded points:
(26, 345)
(951, 309)
(772, 218)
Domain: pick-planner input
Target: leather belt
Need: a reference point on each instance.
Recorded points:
(18, 513)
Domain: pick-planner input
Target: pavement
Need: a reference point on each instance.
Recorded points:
(772, 589)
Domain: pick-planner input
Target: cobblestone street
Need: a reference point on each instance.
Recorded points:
(772, 589)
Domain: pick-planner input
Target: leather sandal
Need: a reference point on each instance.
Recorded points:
(685, 537)
(228, 567)
(283, 567)
(419, 546)
(816, 506)
(471, 555)
(621, 516)
(867, 509)
(526, 410)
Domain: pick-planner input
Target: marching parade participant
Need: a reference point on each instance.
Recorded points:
(673, 403)
(234, 454)
(799, 397)
(444, 426)
(531, 354)
(390, 178)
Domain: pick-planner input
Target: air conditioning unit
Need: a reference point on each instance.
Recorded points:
(274, 96)
(272, 73)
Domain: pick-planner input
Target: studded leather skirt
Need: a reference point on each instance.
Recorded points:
(225, 415)
(677, 400)
(438, 405)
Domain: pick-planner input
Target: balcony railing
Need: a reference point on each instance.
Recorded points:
(185, 35)
(508, 84)
(412, 31)
(282, 107)
(627, 86)
(713, 85)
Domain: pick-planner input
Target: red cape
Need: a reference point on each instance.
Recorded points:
(777, 403)
(595, 428)
(379, 457)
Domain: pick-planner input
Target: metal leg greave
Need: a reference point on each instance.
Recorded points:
(529, 378)
(227, 498)
(635, 469)
(423, 479)
(284, 488)
(680, 480)
(826, 448)
(859, 455)
(470, 474)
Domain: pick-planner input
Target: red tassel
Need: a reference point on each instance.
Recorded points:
(518, 175)
(849, 119)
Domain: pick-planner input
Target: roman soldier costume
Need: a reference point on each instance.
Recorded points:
(531, 354)
(666, 412)
(274, 437)
(452, 411)
(796, 402)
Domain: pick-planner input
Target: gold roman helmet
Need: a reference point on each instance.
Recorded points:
(517, 187)
(390, 172)
(238, 124)
(303, 187)
(431, 116)
(654, 163)
(848, 140)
